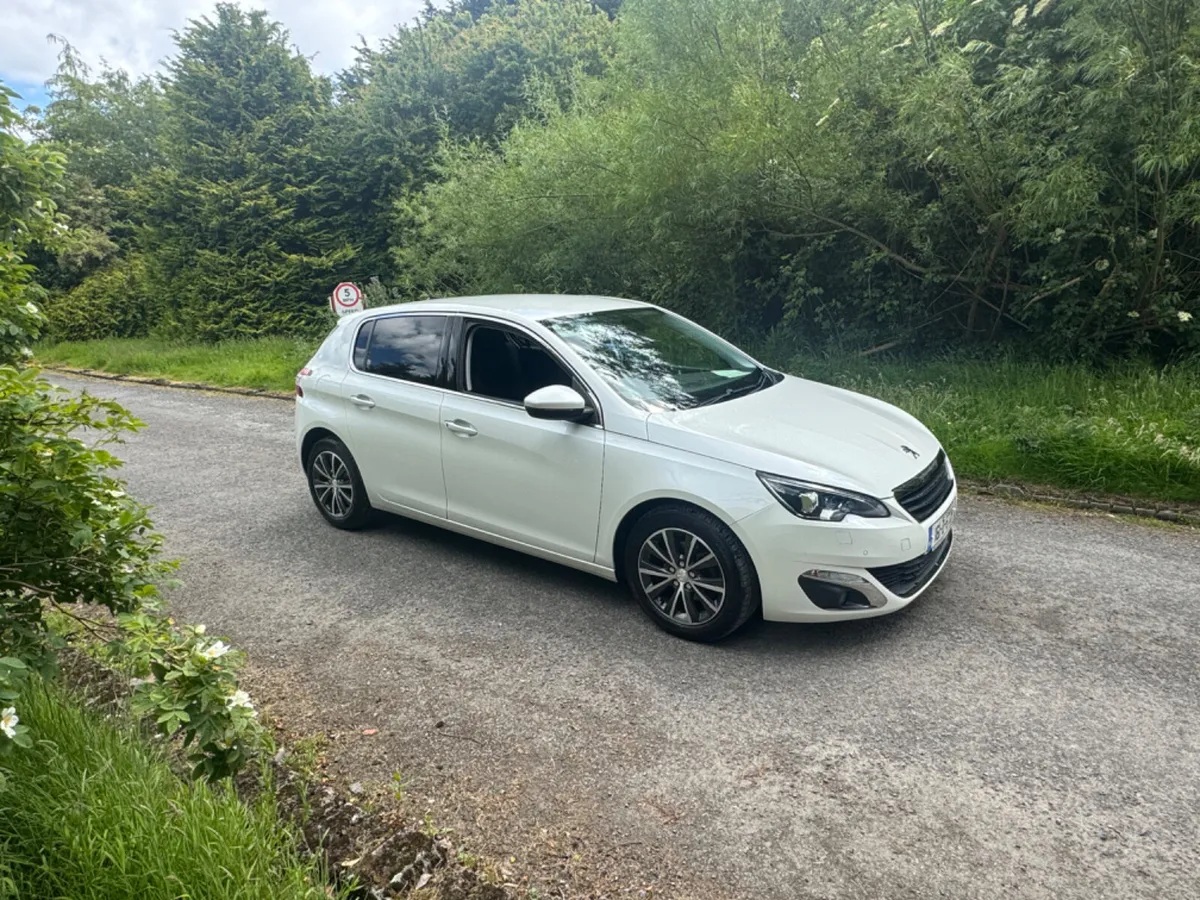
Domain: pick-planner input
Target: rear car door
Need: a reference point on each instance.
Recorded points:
(526, 479)
(393, 396)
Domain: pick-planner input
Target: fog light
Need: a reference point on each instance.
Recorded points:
(837, 577)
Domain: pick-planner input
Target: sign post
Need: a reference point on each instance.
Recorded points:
(346, 298)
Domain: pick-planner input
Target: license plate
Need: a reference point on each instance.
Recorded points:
(940, 530)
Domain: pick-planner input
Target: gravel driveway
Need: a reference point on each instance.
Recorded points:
(1029, 728)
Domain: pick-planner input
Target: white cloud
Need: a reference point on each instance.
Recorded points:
(136, 34)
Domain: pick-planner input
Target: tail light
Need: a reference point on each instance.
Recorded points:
(305, 371)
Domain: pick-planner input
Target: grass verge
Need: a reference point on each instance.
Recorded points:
(1131, 430)
(92, 811)
(266, 363)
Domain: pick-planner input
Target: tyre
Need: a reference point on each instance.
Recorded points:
(336, 487)
(690, 573)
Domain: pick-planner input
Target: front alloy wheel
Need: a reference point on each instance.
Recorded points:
(682, 576)
(690, 573)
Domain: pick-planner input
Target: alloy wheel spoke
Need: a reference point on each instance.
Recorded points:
(675, 600)
(321, 468)
(718, 589)
(654, 571)
(655, 591)
(687, 560)
(688, 610)
(664, 557)
(715, 608)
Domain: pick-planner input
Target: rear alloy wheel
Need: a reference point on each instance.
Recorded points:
(336, 486)
(690, 573)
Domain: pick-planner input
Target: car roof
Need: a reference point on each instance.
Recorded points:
(528, 306)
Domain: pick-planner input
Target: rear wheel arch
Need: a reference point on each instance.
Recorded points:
(310, 439)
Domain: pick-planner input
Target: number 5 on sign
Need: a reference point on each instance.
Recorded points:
(346, 298)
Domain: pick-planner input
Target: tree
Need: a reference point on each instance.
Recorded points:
(230, 225)
(920, 170)
(469, 71)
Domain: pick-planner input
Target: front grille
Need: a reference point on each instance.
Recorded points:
(921, 496)
(905, 579)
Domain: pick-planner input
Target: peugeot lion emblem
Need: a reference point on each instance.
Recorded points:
(907, 449)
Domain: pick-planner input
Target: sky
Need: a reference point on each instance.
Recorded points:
(136, 34)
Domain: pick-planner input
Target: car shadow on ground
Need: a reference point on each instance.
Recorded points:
(756, 638)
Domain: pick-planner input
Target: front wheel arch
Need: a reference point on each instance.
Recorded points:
(621, 535)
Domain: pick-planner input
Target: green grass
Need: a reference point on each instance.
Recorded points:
(1132, 430)
(267, 363)
(92, 812)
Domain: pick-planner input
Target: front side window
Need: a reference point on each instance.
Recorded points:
(406, 347)
(507, 365)
(657, 361)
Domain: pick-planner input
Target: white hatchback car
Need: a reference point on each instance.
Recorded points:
(624, 440)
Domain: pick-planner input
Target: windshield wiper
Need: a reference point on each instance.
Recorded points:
(758, 384)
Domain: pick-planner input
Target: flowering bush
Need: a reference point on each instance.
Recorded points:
(70, 534)
(188, 684)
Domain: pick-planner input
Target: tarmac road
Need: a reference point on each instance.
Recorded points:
(1029, 728)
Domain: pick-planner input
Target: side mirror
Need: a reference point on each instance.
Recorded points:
(558, 403)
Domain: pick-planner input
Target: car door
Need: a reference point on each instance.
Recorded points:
(525, 479)
(393, 397)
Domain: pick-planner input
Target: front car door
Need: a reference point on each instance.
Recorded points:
(529, 480)
(393, 396)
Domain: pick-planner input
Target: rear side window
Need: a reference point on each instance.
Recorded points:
(360, 345)
(405, 347)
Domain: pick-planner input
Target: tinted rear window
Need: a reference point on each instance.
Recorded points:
(406, 347)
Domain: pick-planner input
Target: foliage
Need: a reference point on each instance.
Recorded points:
(468, 71)
(187, 683)
(97, 813)
(69, 533)
(68, 530)
(228, 225)
(1131, 429)
(245, 192)
(916, 172)
(27, 177)
(116, 301)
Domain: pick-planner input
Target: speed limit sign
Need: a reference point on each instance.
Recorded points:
(346, 298)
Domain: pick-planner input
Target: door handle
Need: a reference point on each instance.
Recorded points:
(362, 401)
(461, 428)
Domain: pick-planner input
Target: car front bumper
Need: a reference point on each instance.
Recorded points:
(826, 571)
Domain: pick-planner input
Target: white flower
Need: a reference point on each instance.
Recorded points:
(200, 629)
(215, 650)
(1133, 314)
(1184, 316)
(239, 700)
(8, 722)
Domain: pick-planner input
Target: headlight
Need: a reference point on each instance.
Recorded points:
(819, 503)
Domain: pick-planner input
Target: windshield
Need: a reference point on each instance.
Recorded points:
(657, 360)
